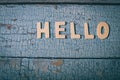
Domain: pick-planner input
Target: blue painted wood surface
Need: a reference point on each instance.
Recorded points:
(43, 69)
(24, 57)
(60, 1)
(18, 30)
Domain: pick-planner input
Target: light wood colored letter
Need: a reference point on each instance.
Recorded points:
(58, 29)
(72, 30)
(105, 34)
(86, 32)
(41, 30)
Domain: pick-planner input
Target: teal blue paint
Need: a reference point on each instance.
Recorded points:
(28, 56)
(80, 69)
(21, 39)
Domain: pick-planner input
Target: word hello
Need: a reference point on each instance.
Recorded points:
(102, 30)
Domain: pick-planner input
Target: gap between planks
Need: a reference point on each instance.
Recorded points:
(60, 57)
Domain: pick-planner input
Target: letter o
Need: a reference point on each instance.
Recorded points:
(99, 30)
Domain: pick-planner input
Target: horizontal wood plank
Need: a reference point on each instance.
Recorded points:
(24, 57)
(35, 69)
(62, 1)
(18, 31)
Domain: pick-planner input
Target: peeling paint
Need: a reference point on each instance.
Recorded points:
(9, 26)
(99, 73)
(14, 19)
(55, 7)
(45, 67)
(57, 63)
(14, 62)
(57, 66)
(17, 43)
(37, 64)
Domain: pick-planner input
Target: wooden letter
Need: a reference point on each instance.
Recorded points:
(100, 26)
(44, 30)
(72, 30)
(58, 29)
(86, 32)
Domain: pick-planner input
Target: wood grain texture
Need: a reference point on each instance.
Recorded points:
(18, 31)
(61, 1)
(53, 69)
(24, 57)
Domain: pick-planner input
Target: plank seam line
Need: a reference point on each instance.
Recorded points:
(54, 3)
(61, 57)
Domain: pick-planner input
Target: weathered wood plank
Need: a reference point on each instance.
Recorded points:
(18, 30)
(40, 69)
(62, 1)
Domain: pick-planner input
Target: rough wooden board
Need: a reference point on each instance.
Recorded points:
(62, 1)
(18, 40)
(18, 31)
(41, 69)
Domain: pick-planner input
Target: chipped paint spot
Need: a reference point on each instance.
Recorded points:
(9, 26)
(3, 60)
(57, 66)
(99, 73)
(45, 67)
(14, 63)
(57, 63)
(37, 64)
(55, 7)
(14, 19)
(57, 71)
(10, 6)
(89, 19)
